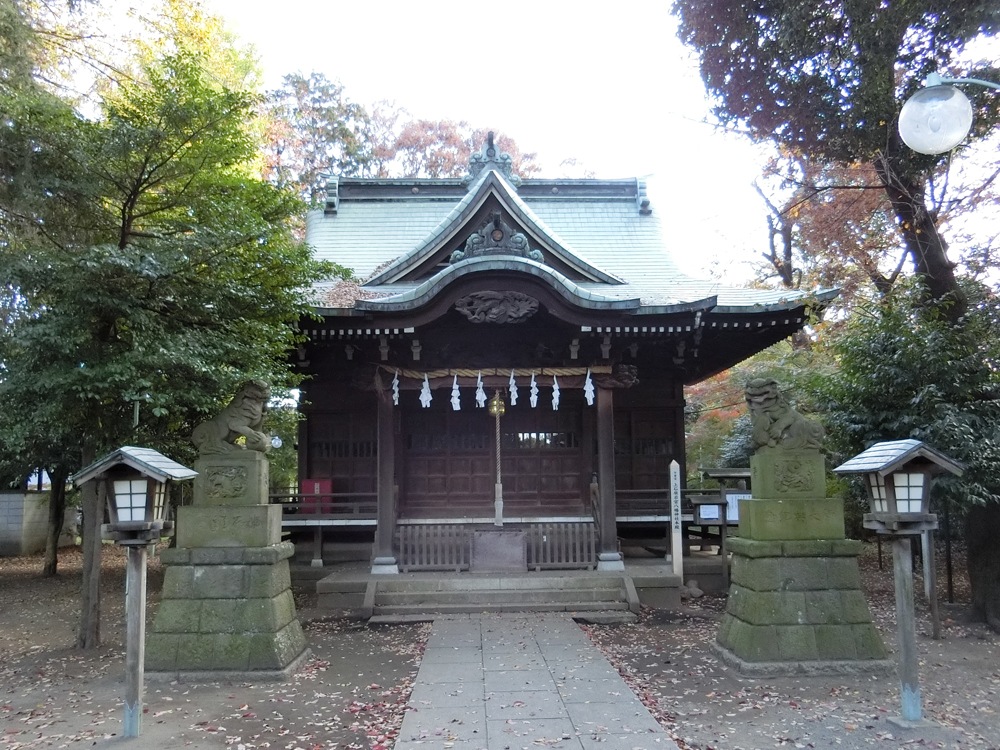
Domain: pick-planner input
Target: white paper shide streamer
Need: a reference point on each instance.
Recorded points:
(533, 392)
(588, 389)
(395, 389)
(555, 393)
(425, 393)
(513, 389)
(456, 403)
(480, 393)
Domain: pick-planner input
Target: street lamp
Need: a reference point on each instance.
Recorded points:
(897, 476)
(136, 481)
(939, 116)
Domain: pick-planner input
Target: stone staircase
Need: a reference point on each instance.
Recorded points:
(423, 594)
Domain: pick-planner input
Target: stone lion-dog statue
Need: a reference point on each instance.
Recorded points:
(775, 423)
(244, 415)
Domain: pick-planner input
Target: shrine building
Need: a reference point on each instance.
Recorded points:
(557, 299)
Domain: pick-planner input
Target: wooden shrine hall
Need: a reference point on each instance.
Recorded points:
(557, 301)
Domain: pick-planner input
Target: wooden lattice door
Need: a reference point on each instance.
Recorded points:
(449, 467)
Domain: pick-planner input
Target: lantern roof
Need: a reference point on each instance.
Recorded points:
(889, 456)
(144, 460)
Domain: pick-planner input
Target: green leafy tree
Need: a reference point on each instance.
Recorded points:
(142, 259)
(907, 371)
(827, 79)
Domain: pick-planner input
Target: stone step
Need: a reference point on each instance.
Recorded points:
(507, 596)
(448, 609)
(499, 583)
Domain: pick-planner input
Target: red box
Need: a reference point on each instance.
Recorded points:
(317, 487)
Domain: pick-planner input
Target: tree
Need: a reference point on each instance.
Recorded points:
(142, 259)
(829, 225)
(442, 148)
(827, 79)
(313, 130)
(907, 371)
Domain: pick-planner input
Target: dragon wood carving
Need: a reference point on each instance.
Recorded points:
(497, 307)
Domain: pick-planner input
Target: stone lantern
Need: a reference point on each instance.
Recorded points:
(897, 478)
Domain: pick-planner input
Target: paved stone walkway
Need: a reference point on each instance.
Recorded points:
(513, 681)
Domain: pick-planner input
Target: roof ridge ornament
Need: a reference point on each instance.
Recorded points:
(497, 237)
(490, 157)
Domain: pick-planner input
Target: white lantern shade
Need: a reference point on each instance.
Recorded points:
(935, 119)
(876, 485)
(138, 499)
(909, 490)
(130, 499)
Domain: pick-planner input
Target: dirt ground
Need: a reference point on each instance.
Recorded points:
(352, 693)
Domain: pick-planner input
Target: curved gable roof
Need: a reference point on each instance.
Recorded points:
(490, 183)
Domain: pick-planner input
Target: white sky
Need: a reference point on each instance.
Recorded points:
(605, 83)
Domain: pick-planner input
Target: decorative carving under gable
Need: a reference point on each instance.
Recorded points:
(497, 237)
(490, 156)
(497, 307)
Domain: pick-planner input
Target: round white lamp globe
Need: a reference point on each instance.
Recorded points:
(935, 119)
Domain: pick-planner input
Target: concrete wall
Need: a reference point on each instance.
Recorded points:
(24, 518)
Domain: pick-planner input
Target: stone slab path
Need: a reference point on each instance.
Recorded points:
(513, 681)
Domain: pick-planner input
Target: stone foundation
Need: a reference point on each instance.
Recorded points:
(797, 607)
(795, 600)
(227, 610)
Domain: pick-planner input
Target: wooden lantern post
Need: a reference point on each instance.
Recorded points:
(897, 478)
(136, 481)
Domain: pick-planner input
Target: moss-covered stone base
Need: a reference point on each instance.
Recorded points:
(225, 610)
(796, 607)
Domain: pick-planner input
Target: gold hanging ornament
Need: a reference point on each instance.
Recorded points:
(497, 406)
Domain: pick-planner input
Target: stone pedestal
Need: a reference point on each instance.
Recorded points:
(795, 601)
(227, 610)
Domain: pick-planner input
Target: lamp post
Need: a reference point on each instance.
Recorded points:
(497, 409)
(137, 480)
(939, 116)
(897, 476)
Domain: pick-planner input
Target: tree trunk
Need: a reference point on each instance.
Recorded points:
(918, 227)
(57, 512)
(982, 529)
(89, 634)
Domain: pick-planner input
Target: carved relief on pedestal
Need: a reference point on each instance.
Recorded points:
(497, 307)
(226, 482)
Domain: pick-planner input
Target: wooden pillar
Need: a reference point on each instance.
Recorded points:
(385, 559)
(909, 681)
(609, 558)
(317, 561)
(135, 637)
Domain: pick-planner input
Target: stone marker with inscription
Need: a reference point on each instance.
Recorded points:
(795, 602)
(227, 608)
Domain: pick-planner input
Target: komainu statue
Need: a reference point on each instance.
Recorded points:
(775, 423)
(244, 416)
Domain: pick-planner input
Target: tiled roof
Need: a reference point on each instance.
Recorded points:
(146, 460)
(887, 456)
(602, 226)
